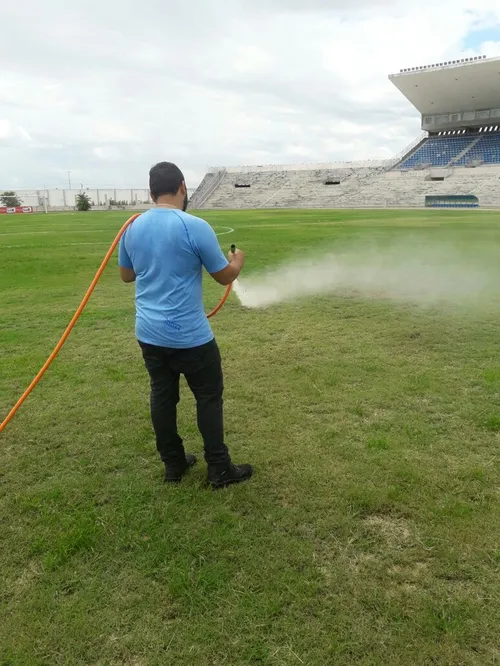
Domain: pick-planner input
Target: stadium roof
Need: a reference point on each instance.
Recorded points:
(468, 85)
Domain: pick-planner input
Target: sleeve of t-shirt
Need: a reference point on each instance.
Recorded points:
(123, 257)
(208, 247)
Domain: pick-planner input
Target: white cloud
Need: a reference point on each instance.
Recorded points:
(107, 89)
(11, 134)
(104, 153)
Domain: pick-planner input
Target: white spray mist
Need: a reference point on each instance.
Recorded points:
(412, 271)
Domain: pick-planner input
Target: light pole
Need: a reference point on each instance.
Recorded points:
(69, 179)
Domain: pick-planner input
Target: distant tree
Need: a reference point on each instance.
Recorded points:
(10, 199)
(83, 202)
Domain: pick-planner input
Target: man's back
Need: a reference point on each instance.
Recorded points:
(167, 249)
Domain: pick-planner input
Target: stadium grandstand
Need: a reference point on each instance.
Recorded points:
(454, 162)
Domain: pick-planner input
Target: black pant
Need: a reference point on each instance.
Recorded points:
(202, 368)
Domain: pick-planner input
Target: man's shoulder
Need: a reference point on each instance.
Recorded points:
(192, 219)
(196, 226)
(141, 219)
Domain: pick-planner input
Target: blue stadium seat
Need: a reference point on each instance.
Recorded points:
(438, 151)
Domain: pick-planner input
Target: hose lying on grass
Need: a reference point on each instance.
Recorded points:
(76, 316)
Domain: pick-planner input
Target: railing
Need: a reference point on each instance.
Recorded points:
(467, 148)
(198, 193)
(408, 150)
(205, 191)
(274, 194)
(310, 166)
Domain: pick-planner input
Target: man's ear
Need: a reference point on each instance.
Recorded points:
(183, 188)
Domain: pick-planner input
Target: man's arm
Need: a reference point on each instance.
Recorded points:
(213, 258)
(233, 269)
(127, 272)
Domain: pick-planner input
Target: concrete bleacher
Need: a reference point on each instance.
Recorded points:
(409, 189)
(364, 187)
(289, 188)
(433, 166)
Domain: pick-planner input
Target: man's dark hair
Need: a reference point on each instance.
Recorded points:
(165, 178)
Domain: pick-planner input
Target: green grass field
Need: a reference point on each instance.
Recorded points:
(370, 533)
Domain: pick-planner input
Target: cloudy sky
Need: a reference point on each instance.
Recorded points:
(106, 88)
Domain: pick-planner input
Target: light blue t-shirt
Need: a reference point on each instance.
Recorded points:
(167, 249)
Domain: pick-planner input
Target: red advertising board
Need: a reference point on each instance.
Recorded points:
(17, 209)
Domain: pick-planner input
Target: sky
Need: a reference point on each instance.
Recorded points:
(106, 89)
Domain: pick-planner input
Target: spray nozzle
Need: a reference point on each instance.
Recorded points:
(233, 249)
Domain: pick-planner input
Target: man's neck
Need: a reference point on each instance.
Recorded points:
(168, 201)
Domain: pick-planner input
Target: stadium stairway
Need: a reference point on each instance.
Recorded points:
(464, 152)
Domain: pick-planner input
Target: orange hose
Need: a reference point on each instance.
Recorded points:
(223, 300)
(75, 318)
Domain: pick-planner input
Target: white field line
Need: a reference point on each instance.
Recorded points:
(229, 230)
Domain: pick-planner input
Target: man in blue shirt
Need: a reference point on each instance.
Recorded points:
(164, 252)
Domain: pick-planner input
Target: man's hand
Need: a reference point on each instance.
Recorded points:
(232, 256)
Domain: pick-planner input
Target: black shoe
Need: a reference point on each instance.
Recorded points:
(174, 473)
(221, 476)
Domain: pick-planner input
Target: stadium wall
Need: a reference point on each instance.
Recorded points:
(101, 198)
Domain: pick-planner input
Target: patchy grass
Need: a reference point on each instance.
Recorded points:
(370, 533)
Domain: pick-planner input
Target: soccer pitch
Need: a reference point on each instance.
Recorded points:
(370, 533)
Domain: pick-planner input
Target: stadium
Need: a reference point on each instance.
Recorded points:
(360, 348)
(455, 162)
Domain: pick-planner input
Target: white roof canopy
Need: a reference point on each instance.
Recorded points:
(444, 88)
